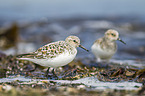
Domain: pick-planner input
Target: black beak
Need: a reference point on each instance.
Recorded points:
(83, 48)
(121, 41)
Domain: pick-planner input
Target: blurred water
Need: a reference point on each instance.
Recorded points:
(95, 84)
(91, 83)
(88, 29)
(40, 9)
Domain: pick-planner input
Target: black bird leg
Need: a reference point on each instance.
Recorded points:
(47, 72)
(53, 71)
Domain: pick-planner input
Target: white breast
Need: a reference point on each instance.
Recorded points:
(99, 53)
(60, 60)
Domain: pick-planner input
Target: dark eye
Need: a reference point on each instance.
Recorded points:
(113, 34)
(74, 40)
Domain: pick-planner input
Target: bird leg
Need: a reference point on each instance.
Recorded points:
(54, 73)
(47, 72)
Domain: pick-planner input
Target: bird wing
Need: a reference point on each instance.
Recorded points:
(27, 55)
(50, 50)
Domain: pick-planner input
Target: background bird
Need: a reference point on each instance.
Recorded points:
(104, 48)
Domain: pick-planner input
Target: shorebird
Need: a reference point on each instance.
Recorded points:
(104, 48)
(55, 54)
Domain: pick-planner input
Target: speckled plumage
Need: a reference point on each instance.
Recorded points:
(54, 54)
(51, 50)
(104, 48)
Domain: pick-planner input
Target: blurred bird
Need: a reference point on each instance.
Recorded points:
(104, 48)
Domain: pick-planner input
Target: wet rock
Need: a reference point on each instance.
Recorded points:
(2, 55)
(140, 74)
(71, 90)
(9, 36)
(128, 73)
(81, 87)
(118, 72)
(62, 88)
(141, 91)
(7, 88)
(2, 73)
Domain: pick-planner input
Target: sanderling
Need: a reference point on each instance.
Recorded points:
(104, 48)
(55, 54)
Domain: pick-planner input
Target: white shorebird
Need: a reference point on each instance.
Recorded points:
(104, 48)
(55, 54)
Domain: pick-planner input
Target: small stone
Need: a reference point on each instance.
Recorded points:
(7, 87)
(129, 73)
(71, 90)
(81, 87)
(1, 87)
(45, 81)
(61, 88)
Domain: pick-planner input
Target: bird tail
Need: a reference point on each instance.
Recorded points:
(27, 55)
